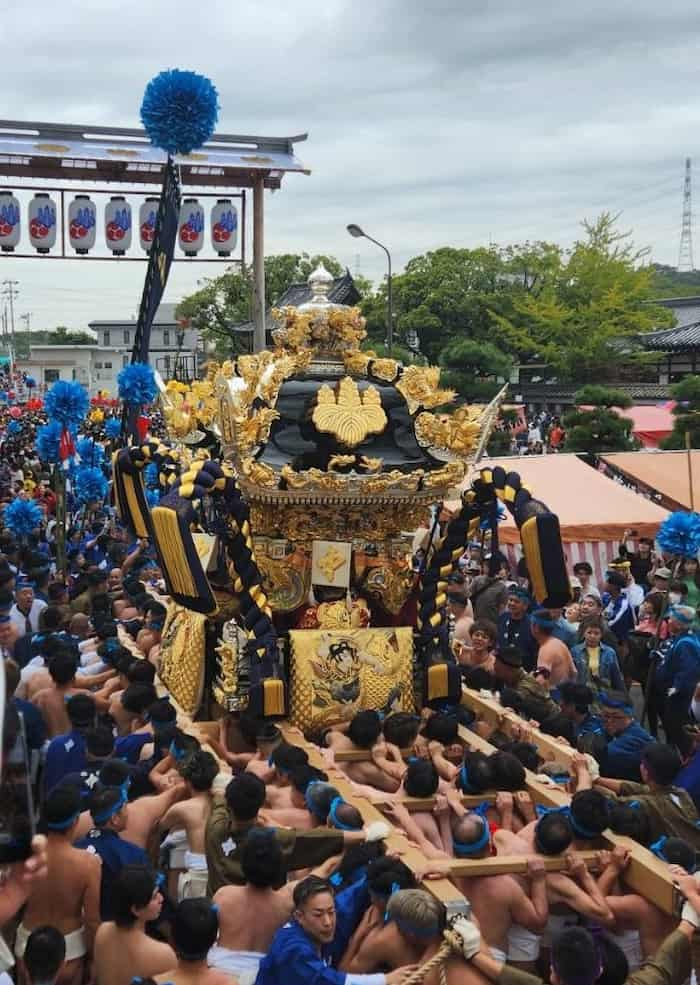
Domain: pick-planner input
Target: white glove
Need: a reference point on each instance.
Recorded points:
(690, 914)
(671, 692)
(469, 935)
(377, 831)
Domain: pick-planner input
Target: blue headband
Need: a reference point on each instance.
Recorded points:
(675, 613)
(63, 825)
(520, 593)
(177, 754)
(622, 705)
(541, 620)
(467, 786)
(471, 848)
(111, 811)
(307, 799)
(337, 823)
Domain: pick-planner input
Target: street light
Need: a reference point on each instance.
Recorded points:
(359, 233)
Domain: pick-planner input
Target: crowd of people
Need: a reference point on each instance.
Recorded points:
(172, 852)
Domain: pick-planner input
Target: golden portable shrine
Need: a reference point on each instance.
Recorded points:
(290, 495)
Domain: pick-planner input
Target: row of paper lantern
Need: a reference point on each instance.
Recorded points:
(82, 224)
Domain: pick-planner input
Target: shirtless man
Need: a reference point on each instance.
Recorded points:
(363, 733)
(267, 738)
(554, 661)
(51, 701)
(68, 896)
(251, 915)
(122, 947)
(195, 930)
(199, 773)
(413, 934)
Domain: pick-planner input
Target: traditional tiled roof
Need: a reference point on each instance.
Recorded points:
(564, 392)
(682, 338)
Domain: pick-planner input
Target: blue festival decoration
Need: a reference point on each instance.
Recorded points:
(3, 397)
(90, 452)
(48, 438)
(67, 403)
(13, 427)
(152, 497)
(137, 384)
(150, 476)
(89, 484)
(113, 427)
(179, 110)
(30, 382)
(679, 534)
(22, 517)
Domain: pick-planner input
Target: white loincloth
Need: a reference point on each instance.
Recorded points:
(523, 945)
(192, 883)
(243, 964)
(630, 944)
(177, 843)
(76, 945)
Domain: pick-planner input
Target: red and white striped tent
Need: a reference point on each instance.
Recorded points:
(593, 511)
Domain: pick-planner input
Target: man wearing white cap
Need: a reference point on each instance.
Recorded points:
(677, 673)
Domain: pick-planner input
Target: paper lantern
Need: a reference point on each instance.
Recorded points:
(15, 412)
(9, 221)
(41, 219)
(147, 222)
(224, 226)
(191, 234)
(118, 225)
(82, 221)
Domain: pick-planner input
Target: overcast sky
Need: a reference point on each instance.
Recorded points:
(450, 122)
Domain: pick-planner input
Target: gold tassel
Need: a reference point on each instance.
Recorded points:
(438, 683)
(273, 696)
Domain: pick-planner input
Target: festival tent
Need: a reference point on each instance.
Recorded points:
(664, 472)
(650, 424)
(593, 511)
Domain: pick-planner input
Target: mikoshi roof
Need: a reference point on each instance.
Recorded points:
(61, 151)
(590, 506)
(664, 471)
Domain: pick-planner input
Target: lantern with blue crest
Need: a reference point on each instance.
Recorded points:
(224, 226)
(82, 221)
(41, 222)
(9, 221)
(147, 222)
(118, 225)
(191, 227)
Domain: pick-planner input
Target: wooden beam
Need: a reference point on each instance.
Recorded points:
(361, 755)
(497, 865)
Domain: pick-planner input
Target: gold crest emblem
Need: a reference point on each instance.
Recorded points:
(347, 414)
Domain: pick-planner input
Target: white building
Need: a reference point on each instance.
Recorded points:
(97, 365)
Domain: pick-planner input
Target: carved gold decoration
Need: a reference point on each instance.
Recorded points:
(330, 562)
(394, 481)
(391, 582)
(301, 524)
(385, 369)
(419, 386)
(371, 464)
(356, 362)
(258, 473)
(182, 654)
(340, 461)
(311, 479)
(186, 406)
(444, 478)
(348, 415)
(457, 432)
(286, 581)
(327, 329)
(255, 430)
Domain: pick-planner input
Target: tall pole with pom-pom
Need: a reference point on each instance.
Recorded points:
(179, 112)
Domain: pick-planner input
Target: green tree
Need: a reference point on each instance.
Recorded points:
(584, 320)
(65, 336)
(223, 302)
(594, 425)
(667, 282)
(686, 415)
(476, 370)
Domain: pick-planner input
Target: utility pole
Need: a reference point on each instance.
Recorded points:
(685, 252)
(11, 291)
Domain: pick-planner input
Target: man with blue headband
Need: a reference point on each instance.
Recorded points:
(625, 737)
(514, 626)
(68, 898)
(677, 673)
(109, 810)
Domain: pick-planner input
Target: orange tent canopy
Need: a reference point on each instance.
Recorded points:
(590, 506)
(664, 471)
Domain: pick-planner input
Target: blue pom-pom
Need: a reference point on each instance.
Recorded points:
(113, 427)
(90, 452)
(680, 534)
(137, 384)
(150, 476)
(47, 441)
(179, 110)
(3, 396)
(14, 427)
(67, 403)
(22, 517)
(30, 382)
(89, 485)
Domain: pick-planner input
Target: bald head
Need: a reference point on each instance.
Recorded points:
(79, 625)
